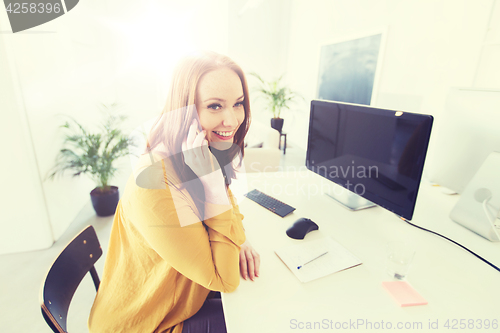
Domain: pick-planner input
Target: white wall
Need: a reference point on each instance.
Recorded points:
(488, 70)
(60, 72)
(24, 222)
(258, 42)
(431, 46)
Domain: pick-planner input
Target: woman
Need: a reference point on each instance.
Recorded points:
(177, 232)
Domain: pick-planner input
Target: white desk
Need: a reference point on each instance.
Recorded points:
(455, 283)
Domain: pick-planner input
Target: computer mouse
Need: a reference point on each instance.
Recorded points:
(301, 228)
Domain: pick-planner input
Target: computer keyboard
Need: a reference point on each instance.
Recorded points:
(270, 203)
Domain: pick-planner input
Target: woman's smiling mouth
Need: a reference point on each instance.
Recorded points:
(223, 135)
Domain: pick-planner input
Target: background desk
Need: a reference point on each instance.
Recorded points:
(455, 283)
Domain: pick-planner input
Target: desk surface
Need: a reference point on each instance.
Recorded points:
(457, 285)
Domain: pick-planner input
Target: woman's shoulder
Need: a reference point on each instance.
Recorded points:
(152, 171)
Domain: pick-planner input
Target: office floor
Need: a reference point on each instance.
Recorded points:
(21, 274)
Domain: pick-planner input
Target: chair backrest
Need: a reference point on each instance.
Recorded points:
(66, 273)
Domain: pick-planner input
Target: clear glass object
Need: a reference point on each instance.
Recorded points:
(399, 258)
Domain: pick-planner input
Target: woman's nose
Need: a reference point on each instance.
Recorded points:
(230, 119)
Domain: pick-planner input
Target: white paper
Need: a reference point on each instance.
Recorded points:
(337, 259)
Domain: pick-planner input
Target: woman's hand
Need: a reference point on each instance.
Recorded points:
(196, 153)
(198, 157)
(249, 261)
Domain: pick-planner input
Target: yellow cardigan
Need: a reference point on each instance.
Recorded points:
(158, 273)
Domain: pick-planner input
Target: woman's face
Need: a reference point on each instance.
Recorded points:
(219, 102)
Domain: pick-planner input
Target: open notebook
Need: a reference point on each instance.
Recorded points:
(337, 258)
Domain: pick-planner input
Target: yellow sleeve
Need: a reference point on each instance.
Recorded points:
(206, 253)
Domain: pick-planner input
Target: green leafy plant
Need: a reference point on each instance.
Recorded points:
(277, 95)
(94, 154)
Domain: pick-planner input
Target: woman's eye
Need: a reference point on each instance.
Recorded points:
(215, 106)
(239, 104)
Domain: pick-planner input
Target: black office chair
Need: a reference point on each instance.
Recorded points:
(67, 271)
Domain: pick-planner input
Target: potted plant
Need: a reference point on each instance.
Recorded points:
(94, 154)
(278, 97)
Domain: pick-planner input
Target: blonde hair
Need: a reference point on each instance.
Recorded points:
(171, 128)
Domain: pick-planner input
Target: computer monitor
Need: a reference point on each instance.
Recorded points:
(375, 153)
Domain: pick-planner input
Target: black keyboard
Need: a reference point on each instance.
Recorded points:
(275, 206)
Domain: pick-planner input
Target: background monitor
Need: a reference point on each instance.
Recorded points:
(466, 133)
(376, 153)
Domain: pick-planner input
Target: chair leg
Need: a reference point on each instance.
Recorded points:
(95, 277)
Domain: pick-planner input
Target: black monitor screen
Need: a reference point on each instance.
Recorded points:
(376, 153)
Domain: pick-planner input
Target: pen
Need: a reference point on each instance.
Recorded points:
(299, 267)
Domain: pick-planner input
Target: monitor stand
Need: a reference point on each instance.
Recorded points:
(348, 199)
(478, 208)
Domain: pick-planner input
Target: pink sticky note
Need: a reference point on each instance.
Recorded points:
(403, 293)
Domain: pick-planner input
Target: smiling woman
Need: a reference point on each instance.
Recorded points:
(177, 232)
(211, 91)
